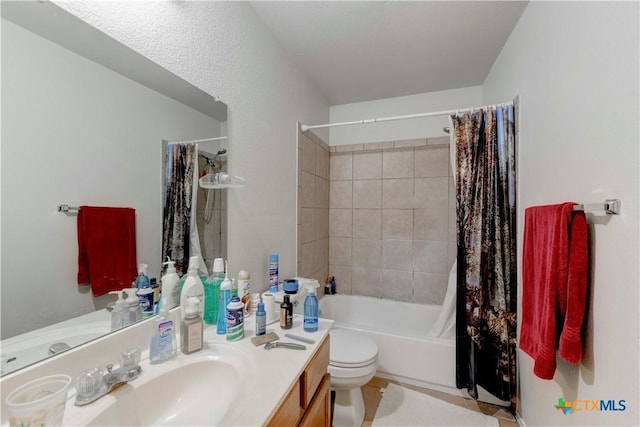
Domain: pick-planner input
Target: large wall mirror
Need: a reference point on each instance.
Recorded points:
(83, 123)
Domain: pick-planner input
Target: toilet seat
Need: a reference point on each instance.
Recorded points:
(351, 350)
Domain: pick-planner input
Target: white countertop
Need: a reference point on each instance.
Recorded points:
(269, 374)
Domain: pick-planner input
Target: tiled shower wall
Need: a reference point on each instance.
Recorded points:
(380, 217)
(392, 219)
(212, 233)
(313, 207)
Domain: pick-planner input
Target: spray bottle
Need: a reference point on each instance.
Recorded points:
(311, 306)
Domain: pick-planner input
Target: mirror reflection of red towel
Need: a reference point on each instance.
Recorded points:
(106, 248)
(554, 285)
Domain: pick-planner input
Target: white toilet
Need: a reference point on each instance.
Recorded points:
(353, 360)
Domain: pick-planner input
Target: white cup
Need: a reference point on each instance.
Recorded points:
(39, 402)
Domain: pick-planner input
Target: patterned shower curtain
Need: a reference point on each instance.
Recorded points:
(179, 170)
(486, 279)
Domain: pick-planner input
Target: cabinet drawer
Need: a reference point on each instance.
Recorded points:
(319, 412)
(289, 411)
(314, 373)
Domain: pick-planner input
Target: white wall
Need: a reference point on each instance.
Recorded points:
(399, 106)
(73, 130)
(224, 49)
(575, 66)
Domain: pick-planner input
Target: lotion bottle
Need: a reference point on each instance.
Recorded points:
(191, 328)
(170, 287)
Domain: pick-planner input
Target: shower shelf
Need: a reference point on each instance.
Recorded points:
(221, 180)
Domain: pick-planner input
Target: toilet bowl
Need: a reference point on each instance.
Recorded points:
(353, 360)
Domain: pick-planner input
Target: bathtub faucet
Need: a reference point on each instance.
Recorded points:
(92, 383)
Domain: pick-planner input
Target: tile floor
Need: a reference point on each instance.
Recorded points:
(372, 396)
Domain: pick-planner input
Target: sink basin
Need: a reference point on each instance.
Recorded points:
(195, 390)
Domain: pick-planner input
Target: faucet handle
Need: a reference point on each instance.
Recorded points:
(130, 359)
(88, 382)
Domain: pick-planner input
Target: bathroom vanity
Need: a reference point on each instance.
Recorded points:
(227, 383)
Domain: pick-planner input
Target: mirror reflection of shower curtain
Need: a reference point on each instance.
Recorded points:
(486, 258)
(180, 239)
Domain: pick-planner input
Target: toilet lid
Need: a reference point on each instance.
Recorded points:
(351, 349)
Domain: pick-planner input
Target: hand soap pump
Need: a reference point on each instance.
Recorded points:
(163, 342)
(170, 287)
(311, 307)
(192, 288)
(225, 299)
(133, 312)
(118, 311)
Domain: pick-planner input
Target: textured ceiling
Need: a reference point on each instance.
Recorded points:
(364, 50)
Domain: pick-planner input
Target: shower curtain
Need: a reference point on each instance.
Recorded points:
(486, 251)
(180, 239)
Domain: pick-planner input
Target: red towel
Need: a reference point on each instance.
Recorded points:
(554, 284)
(106, 248)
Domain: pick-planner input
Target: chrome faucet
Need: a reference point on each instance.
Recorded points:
(93, 383)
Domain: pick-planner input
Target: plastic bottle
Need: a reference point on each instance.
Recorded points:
(170, 287)
(212, 292)
(244, 290)
(225, 299)
(286, 313)
(191, 328)
(273, 273)
(261, 320)
(163, 342)
(197, 263)
(235, 319)
(310, 322)
(192, 288)
(118, 311)
(133, 312)
(145, 292)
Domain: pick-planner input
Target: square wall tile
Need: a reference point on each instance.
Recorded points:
(397, 163)
(341, 166)
(308, 255)
(321, 219)
(307, 225)
(431, 224)
(321, 162)
(397, 285)
(397, 193)
(397, 255)
(410, 143)
(397, 224)
(431, 193)
(340, 194)
(367, 165)
(366, 223)
(321, 254)
(321, 195)
(384, 145)
(429, 288)
(341, 222)
(431, 161)
(365, 281)
(367, 194)
(430, 257)
(307, 190)
(307, 153)
(340, 250)
(366, 253)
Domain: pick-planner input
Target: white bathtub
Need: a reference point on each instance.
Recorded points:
(407, 350)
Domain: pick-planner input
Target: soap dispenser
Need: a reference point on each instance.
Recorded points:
(191, 328)
(163, 342)
(192, 288)
(133, 312)
(118, 311)
(170, 287)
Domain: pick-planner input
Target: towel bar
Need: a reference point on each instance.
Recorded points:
(66, 208)
(610, 206)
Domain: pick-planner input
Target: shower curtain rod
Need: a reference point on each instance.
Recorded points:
(195, 141)
(305, 128)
